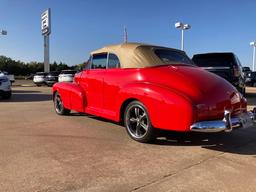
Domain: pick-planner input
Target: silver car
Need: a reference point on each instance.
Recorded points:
(67, 75)
(5, 86)
(39, 78)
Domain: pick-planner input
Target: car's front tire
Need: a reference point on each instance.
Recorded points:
(137, 122)
(58, 105)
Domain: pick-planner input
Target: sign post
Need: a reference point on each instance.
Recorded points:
(46, 30)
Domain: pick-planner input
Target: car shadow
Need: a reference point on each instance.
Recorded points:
(76, 114)
(23, 91)
(242, 141)
(27, 96)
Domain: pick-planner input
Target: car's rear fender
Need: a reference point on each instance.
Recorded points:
(72, 95)
(168, 109)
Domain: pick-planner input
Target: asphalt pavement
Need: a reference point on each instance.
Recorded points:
(41, 151)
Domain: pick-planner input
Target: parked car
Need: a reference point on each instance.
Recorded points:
(148, 88)
(10, 76)
(51, 78)
(226, 65)
(5, 86)
(67, 75)
(39, 78)
(251, 79)
(246, 71)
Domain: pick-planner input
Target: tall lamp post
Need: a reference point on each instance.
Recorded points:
(182, 26)
(253, 43)
(125, 35)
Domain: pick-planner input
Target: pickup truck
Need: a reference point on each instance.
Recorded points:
(225, 65)
(251, 79)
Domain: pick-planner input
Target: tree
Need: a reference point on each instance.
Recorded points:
(21, 68)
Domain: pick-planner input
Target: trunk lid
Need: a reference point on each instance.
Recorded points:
(210, 93)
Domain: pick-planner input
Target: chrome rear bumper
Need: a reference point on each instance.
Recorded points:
(226, 124)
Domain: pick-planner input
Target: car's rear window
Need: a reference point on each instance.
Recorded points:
(54, 73)
(68, 72)
(246, 69)
(173, 57)
(213, 60)
(41, 73)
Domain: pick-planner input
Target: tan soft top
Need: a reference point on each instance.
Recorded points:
(133, 55)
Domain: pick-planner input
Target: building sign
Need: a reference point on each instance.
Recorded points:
(46, 22)
(3, 32)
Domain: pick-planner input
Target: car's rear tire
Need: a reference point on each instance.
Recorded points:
(58, 105)
(7, 95)
(137, 122)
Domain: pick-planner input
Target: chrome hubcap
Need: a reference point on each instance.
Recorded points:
(58, 104)
(137, 121)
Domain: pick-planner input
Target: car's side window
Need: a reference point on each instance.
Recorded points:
(87, 64)
(113, 61)
(99, 61)
(238, 61)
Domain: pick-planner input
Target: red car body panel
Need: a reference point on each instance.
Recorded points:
(72, 96)
(175, 96)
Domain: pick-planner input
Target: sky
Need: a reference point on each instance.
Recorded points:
(81, 26)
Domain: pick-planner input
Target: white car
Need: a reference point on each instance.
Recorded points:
(39, 78)
(66, 75)
(10, 76)
(5, 87)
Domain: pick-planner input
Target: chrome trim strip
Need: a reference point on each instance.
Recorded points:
(208, 126)
(215, 67)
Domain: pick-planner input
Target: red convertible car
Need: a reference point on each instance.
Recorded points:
(151, 87)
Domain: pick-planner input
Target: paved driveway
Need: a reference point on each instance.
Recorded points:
(41, 151)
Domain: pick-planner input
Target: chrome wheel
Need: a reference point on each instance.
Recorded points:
(58, 104)
(137, 121)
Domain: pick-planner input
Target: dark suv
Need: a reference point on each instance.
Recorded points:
(226, 65)
(251, 79)
(246, 71)
(51, 78)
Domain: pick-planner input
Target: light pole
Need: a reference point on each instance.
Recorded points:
(253, 43)
(125, 35)
(182, 26)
